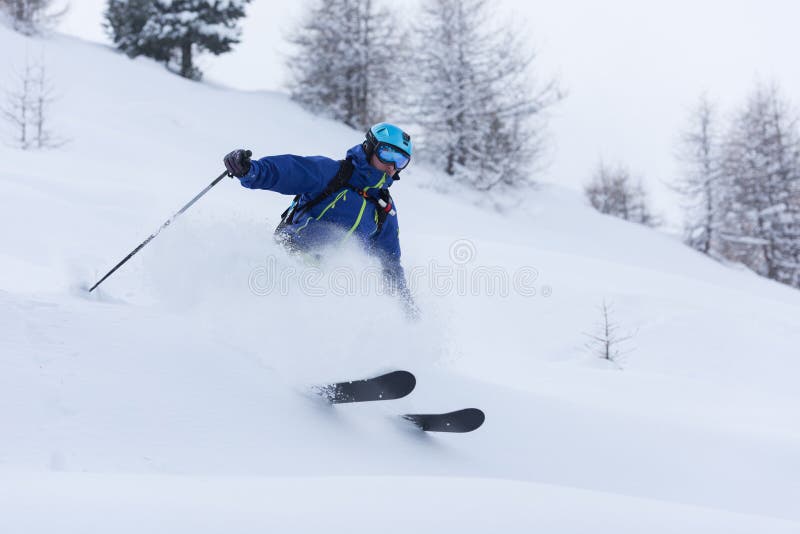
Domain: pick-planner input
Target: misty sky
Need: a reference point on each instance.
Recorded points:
(632, 69)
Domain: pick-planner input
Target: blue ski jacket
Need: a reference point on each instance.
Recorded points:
(341, 215)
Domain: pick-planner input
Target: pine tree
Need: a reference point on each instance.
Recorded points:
(349, 62)
(701, 186)
(175, 31)
(761, 164)
(125, 21)
(474, 99)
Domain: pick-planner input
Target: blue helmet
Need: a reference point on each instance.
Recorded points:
(390, 144)
(388, 134)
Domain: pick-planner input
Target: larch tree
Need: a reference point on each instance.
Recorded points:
(613, 191)
(480, 111)
(761, 168)
(701, 186)
(349, 61)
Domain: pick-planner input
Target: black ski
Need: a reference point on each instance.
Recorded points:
(394, 385)
(465, 420)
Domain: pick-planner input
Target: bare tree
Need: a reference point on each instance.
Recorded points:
(614, 192)
(605, 341)
(701, 185)
(30, 16)
(27, 107)
(43, 96)
(17, 108)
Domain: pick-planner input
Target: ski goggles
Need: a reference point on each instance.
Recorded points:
(391, 154)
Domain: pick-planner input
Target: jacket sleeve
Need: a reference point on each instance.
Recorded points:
(388, 248)
(387, 244)
(290, 174)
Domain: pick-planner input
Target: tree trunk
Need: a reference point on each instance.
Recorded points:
(22, 12)
(709, 218)
(187, 71)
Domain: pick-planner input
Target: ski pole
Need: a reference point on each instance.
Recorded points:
(153, 235)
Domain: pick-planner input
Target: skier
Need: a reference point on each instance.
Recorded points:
(338, 200)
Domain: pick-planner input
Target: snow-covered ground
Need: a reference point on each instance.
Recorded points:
(174, 398)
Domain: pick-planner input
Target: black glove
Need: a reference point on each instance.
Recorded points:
(238, 162)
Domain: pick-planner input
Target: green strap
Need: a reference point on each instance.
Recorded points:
(333, 203)
(363, 206)
(358, 219)
(343, 196)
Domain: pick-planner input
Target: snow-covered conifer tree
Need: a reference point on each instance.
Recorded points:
(474, 96)
(174, 31)
(125, 21)
(350, 62)
(701, 186)
(761, 164)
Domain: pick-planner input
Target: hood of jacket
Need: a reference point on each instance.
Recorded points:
(365, 175)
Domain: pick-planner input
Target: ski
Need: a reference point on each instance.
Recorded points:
(394, 385)
(465, 420)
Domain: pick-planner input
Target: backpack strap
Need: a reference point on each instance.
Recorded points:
(383, 205)
(337, 182)
(384, 208)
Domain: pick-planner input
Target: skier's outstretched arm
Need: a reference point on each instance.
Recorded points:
(287, 174)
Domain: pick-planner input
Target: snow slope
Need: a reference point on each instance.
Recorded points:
(174, 398)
